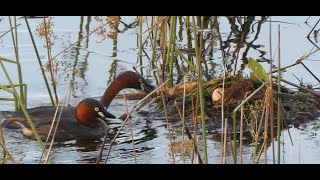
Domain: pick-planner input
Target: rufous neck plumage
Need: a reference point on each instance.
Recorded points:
(125, 80)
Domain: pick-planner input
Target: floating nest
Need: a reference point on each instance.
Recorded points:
(297, 107)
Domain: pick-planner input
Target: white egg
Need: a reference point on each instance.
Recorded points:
(217, 94)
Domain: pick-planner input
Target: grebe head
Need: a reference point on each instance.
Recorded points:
(135, 80)
(90, 111)
(127, 79)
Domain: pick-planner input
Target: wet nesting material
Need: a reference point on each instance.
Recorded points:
(236, 90)
(300, 107)
(297, 107)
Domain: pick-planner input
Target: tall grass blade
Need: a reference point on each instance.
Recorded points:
(201, 97)
(39, 61)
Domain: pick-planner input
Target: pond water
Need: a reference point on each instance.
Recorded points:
(91, 64)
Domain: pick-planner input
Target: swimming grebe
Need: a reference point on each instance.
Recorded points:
(86, 121)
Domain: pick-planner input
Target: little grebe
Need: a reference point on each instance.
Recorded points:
(86, 121)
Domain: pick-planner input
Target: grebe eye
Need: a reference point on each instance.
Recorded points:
(96, 109)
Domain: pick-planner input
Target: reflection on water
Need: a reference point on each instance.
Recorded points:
(239, 39)
(91, 64)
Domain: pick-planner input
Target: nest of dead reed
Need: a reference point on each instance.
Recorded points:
(296, 106)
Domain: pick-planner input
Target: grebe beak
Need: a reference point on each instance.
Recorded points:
(103, 113)
(146, 87)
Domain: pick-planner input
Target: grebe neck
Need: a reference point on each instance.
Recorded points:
(127, 79)
(114, 88)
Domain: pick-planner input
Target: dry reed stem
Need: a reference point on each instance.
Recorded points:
(130, 126)
(58, 121)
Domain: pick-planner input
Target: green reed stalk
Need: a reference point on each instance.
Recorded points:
(172, 37)
(189, 37)
(23, 107)
(155, 30)
(223, 135)
(39, 61)
(15, 45)
(202, 46)
(174, 34)
(279, 91)
(163, 41)
(14, 99)
(169, 48)
(6, 99)
(180, 31)
(23, 93)
(140, 39)
(152, 25)
(16, 31)
(200, 92)
(185, 59)
(8, 60)
(16, 104)
(6, 88)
